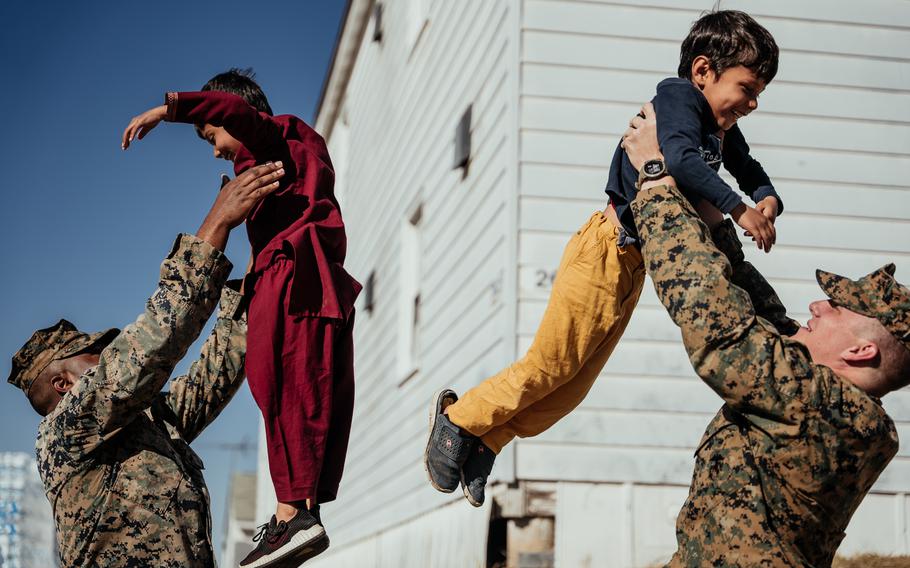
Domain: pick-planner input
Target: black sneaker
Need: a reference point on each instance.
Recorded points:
(475, 472)
(447, 448)
(288, 543)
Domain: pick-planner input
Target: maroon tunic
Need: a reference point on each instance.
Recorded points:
(302, 216)
(300, 362)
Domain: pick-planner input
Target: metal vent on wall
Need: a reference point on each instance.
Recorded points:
(463, 140)
(369, 293)
(377, 22)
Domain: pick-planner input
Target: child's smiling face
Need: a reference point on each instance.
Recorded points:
(732, 95)
(225, 145)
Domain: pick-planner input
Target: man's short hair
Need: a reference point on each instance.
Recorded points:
(729, 38)
(879, 296)
(894, 357)
(240, 82)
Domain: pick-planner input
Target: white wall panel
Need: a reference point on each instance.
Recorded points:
(880, 523)
(553, 83)
(781, 97)
(587, 536)
(401, 105)
(833, 132)
(451, 535)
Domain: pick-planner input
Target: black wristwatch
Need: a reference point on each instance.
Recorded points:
(651, 170)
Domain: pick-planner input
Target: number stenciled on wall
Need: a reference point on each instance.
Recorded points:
(544, 278)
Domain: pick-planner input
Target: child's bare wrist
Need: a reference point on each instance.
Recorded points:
(737, 211)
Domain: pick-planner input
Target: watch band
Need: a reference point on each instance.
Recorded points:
(651, 170)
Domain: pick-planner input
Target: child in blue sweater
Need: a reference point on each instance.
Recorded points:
(725, 62)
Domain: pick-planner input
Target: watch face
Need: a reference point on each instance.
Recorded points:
(653, 167)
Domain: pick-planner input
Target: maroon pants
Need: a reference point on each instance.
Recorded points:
(301, 373)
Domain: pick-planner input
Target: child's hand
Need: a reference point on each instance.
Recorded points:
(757, 226)
(768, 207)
(142, 124)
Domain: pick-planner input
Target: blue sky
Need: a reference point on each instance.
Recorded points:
(85, 225)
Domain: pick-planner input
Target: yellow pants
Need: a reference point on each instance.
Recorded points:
(596, 288)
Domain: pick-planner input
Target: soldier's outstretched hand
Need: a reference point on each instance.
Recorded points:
(236, 199)
(640, 139)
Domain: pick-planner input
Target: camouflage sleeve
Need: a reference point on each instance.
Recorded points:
(137, 363)
(742, 358)
(197, 398)
(764, 299)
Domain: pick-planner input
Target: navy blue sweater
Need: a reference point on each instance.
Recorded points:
(686, 131)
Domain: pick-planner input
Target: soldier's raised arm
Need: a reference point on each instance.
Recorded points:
(743, 358)
(195, 399)
(133, 368)
(734, 352)
(764, 299)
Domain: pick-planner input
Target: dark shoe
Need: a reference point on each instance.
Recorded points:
(475, 472)
(447, 448)
(288, 543)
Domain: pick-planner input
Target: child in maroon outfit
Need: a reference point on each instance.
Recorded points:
(299, 346)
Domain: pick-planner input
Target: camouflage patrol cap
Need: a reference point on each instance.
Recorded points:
(50, 344)
(876, 295)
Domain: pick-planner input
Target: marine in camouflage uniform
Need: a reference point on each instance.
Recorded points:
(784, 464)
(125, 487)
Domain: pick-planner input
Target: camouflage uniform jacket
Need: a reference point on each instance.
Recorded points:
(124, 485)
(787, 460)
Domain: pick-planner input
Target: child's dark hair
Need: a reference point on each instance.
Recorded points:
(729, 38)
(240, 82)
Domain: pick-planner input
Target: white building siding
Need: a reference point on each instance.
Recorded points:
(404, 99)
(451, 536)
(833, 132)
(552, 84)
